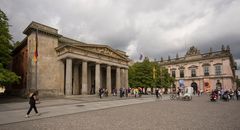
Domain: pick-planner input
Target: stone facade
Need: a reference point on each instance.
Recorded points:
(68, 67)
(205, 72)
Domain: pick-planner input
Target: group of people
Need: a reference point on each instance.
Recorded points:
(123, 92)
(136, 92)
(226, 94)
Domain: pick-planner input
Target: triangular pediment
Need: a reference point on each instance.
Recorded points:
(192, 66)
(103, 50)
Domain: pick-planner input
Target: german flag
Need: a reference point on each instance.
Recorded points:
(35, 56)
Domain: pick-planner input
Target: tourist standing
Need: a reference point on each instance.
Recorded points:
(106, 92)
(157, 93)
(100, 92)
(237, 93)
(126, 92)
(121, 92)
(32, 101)
(160, 93)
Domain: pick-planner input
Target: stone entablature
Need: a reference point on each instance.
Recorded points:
(96, 53)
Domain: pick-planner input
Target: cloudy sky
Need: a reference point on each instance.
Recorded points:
(153, 27)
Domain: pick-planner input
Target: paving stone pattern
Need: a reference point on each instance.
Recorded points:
(199, 113)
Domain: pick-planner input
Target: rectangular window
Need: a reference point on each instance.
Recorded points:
(181, 73)
(174, 74)
(218, 69)
(206, 70)
(193, 72)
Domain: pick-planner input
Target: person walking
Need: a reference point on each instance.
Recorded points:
(32, 101)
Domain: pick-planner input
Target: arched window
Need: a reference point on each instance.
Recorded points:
(218, 69)
(206, 70)
(181, 73)
(174, 73)
(193, 72)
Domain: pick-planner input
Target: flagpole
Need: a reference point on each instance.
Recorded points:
(36, 58)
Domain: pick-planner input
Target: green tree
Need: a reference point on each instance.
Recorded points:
(149, 74)
(6, 77)
(140, 74)
(162, 77)
(238, 82)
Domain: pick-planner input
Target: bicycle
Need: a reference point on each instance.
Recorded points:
(173, 96)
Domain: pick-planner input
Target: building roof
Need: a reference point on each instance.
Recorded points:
(35, 26)
(193, 54)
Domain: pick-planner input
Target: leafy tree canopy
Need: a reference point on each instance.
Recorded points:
(6, 77)
(149, 74)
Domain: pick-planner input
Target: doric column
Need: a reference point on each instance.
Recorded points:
(122, 77)
(68, 85)
(89, 80)
(84, 77)
(76, 79)
(126, 78)
(118, 81)
(109, 83)
(97, 77)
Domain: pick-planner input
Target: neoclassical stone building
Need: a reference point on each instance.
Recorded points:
(65, 66)
(204, 71)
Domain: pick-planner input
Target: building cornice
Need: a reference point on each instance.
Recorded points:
(96, 51)
(35, 26)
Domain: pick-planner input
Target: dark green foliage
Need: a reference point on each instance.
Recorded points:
(5, 38)
(238, 82)
(6, 77)
(141, 75)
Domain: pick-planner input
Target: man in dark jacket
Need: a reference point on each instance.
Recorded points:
(32, 102)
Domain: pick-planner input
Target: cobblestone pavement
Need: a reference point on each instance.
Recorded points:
(199, 113)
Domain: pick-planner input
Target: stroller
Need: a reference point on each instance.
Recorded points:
(188, 94)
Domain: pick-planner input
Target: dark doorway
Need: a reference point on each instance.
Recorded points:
(218, 85)
(195, 87)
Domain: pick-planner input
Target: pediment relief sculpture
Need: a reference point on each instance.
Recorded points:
(181, 68)
(193, 51)
(192, 66)
(206, 64)
(104, 51)
(218, 64)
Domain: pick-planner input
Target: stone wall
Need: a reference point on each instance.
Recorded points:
(50, 71)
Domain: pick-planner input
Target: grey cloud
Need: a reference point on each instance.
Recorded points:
(156, 28)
